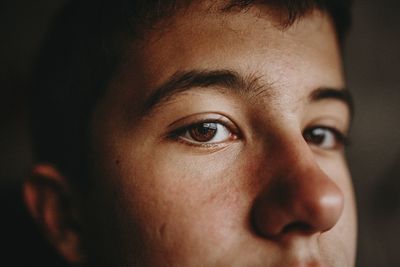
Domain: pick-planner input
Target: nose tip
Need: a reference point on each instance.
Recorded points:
(308, 202)
(328, 210)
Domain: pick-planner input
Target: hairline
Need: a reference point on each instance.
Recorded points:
(115, 50)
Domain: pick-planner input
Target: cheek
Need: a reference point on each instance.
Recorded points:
(172, 199)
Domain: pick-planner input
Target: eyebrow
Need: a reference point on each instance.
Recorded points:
(186, 80)
(343, 95)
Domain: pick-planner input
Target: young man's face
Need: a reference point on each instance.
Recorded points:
(220, 144)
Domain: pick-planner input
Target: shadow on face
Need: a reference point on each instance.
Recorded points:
(220, 142)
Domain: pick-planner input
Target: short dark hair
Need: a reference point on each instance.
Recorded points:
(81, 54)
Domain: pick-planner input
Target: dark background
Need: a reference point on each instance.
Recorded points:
(372, 66)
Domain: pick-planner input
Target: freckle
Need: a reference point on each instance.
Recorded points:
(117, 162)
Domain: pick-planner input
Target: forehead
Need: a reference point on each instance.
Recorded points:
(251, 42)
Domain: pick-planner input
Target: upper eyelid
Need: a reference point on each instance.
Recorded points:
(183, 129)
(330, 122)
(343, 138)
(328, 127)
(333, 129)
(342, 95)
(205, 117)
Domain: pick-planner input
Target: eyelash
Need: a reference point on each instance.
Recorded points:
(341, 139)
(178, 134)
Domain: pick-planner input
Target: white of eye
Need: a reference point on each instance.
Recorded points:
(322, 137)
(329, 139)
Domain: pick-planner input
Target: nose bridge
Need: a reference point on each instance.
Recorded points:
(299, 198)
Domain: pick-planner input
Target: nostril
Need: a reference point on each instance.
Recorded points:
(299, 227)
(293, 205)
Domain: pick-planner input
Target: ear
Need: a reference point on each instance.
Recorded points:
(50, 202)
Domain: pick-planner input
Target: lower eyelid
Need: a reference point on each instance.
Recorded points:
(178, 136)
(204, 117)
(204, 145)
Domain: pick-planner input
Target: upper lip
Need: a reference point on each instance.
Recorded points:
(303, 252)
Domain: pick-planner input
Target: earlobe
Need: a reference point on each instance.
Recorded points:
(50, 202)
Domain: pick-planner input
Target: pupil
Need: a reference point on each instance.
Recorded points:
(315, 136)
(204, 131)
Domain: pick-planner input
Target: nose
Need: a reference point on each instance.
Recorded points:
(301, 199)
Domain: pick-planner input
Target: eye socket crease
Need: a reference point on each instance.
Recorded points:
(342, 95)
(218, 79)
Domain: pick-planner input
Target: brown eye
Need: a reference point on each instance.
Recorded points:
(324, 137)
(205, 133)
